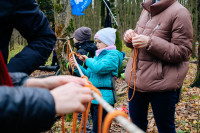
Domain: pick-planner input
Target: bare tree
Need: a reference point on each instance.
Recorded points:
(197, 78)
(64, 27)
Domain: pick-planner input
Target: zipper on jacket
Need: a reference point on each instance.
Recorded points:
(142, 33)
(157, 26)
(150, 17)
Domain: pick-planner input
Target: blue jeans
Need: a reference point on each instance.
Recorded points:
(163, 106)
(94, 113)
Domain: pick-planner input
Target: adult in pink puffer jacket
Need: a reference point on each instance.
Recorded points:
(163, 36)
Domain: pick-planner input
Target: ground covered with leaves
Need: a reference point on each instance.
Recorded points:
(186, 116)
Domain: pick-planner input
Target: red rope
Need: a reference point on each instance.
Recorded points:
(4, 75)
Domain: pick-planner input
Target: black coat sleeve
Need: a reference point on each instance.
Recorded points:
(34, 27)
(18, 78)
(26, 109)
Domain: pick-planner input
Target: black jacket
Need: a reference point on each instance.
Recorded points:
(25, 16)
(87, 48)
(25, 109)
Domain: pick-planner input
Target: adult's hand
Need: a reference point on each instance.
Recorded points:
(140, 41)
(53, 81)
(71, 98)
(128, 35)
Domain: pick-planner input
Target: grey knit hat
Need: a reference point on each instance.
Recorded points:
(106, 35)
(82, 34)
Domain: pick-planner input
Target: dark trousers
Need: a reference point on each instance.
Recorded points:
(163, 106)
(94, 113)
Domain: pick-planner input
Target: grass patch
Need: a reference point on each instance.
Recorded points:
(49, 61)
(12, 53)
(126, 49)
(18, 48)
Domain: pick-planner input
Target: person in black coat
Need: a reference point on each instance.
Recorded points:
(25, 16)
(32, 104)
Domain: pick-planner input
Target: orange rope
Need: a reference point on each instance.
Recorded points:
(75, 117)
(63, 124)
(81, 124)
(70, 63)
(63, 118)
(68, 50)
(100, 109)
(134, 70)
(85, 114)
(86, 79)
(84, 119)
(110, 117)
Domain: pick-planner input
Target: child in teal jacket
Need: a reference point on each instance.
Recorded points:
(102, 68)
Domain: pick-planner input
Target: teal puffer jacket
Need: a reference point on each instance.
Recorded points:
(100, 71)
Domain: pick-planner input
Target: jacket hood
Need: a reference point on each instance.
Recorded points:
(120, 57)
(155, 8)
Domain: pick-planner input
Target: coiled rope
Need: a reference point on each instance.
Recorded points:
(133, 69)
(109, 117)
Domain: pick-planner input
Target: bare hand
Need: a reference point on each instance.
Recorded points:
(128, 35)
(71, 98)
(53, 81)
(140, 41)
(83, 58)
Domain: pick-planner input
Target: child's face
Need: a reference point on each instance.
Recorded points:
(100, 44)
(75, 41)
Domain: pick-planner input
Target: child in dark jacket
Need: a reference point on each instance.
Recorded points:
(83, 44)
(102, 68)
(85, 47)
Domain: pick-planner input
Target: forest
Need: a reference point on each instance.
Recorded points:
(125, 16)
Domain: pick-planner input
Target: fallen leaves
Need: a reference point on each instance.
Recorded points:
(186, 116)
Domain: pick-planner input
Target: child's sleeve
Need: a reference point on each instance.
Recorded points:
(86, 72)
(109, 63)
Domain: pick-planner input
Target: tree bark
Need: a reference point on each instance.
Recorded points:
(64, 27)
(197, 78)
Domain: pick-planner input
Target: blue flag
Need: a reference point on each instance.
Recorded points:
(79, 5)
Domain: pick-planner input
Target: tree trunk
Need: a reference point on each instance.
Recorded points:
(197, 78)
(64, 27)
(102, 13)
(194, 22)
